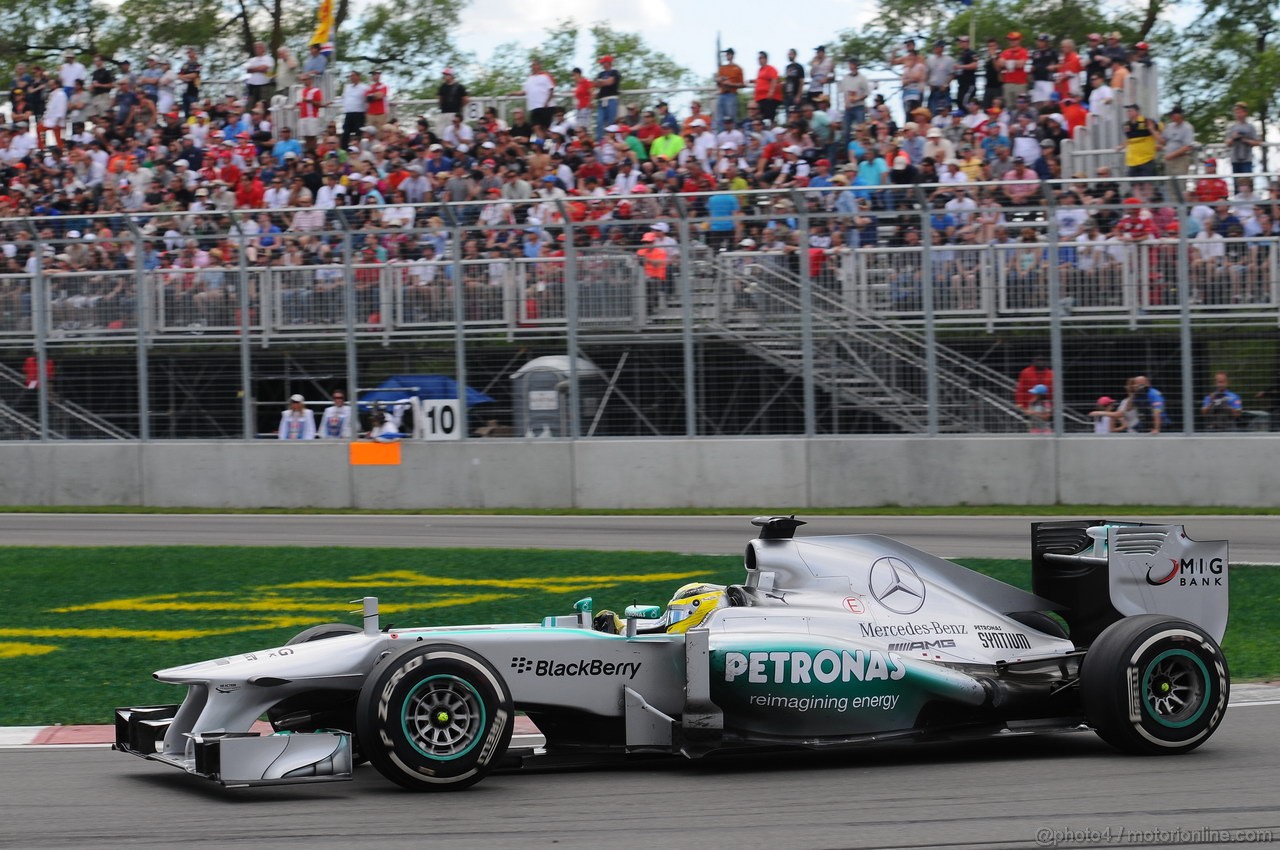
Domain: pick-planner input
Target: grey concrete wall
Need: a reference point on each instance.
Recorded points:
(777, 472)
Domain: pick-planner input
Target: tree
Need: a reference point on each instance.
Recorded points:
(640, 65)
(409, 40)
(1229, 55)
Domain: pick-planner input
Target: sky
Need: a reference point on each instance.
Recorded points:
(684, 31)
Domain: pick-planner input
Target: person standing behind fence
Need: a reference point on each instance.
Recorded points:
(355, 103)
(1242, 137)
(539, 88)
(768, 88)
(1037, 373)
(1221, 408)
(296, 422)
(1106, 419)
(1178, 143)
(258, 76)
(1147, 403)
(378, 111)
(607, 83)
(335, 422)
(729, 79)
(451, 98)
(1039, 410)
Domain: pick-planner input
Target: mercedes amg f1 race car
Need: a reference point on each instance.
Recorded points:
(829, 642)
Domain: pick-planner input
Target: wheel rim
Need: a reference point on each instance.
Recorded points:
(443, 717)
(1174, 688)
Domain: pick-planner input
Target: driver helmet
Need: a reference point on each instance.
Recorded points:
(691, 605)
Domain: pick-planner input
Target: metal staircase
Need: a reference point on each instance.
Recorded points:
(71, 419)
(865, 363)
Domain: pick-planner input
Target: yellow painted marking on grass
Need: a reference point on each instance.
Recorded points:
(289, 605)
(16, 650)
(408, 578)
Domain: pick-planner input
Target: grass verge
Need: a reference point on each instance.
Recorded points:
(84, 628)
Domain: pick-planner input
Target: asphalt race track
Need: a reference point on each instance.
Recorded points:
(1254, 539)
(1004, 793)
(1062, 790)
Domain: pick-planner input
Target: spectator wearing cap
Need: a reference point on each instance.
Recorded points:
(451, 99)
(853, 90)
(1021, 184)
(1142, 140)
(966, 71)
(1074, 114)
(767, 91)
(607, 85)
(1178, 143)
(667, 146)
(310, 102)
(296, 422)
(822, 70)
(729, 81)
(1044, 58)
(102, 83)
(355, 103)
(69, 71)
(1242, 137)
(940, 70)
(1013, 68)
(911, 143)
(937, 147)
(379, 96)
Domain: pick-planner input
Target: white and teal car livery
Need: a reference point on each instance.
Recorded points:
(831, 641)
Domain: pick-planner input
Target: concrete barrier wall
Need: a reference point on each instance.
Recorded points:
(781, 472)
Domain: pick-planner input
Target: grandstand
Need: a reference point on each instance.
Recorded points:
(187, 278)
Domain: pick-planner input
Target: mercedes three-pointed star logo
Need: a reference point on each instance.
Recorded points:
(896, 585)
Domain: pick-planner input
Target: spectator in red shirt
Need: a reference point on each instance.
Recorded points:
(583, 91)
(249, 193)
(649, 128)
(1013, 68)
(1210, 190)
(1033, 375)
(1138, 225)
(379, 96)
(768, 88)
(1075, 114)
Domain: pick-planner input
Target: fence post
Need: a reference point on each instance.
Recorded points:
(141, 314)
(248, 413)
(926, 302)
(454, 221)
(571, 316)
(686, 320)
(1184, 305)
(801, 203)
(349, 317)
(1055, 313)
(40, 320)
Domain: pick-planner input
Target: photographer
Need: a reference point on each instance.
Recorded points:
(1242, 137)
(1222, 407)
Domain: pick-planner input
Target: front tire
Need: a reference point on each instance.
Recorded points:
(435, 717)
(1155, 685)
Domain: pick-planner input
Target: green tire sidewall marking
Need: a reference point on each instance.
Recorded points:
(1146, 687)
(404, 720)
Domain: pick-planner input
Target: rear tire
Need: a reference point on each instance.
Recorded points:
(435, 717)
(1154, 685)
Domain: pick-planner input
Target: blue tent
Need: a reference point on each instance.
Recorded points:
(398, 387)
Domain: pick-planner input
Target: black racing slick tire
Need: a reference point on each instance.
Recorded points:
(321, 632)
(435, 717)
(1154, 685)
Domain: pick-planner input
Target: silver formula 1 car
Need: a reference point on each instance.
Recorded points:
(834, 641)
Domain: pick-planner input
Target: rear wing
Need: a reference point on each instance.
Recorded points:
(1100, 571)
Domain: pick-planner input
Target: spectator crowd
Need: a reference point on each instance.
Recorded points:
(982, 127)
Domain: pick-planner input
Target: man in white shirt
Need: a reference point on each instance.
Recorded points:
(258, 76)
(70, 71)
(297, 423)
(1071, 217)
(961, 205)
(538, 90)
(277, 195)
(355, 102)
(335, 422)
